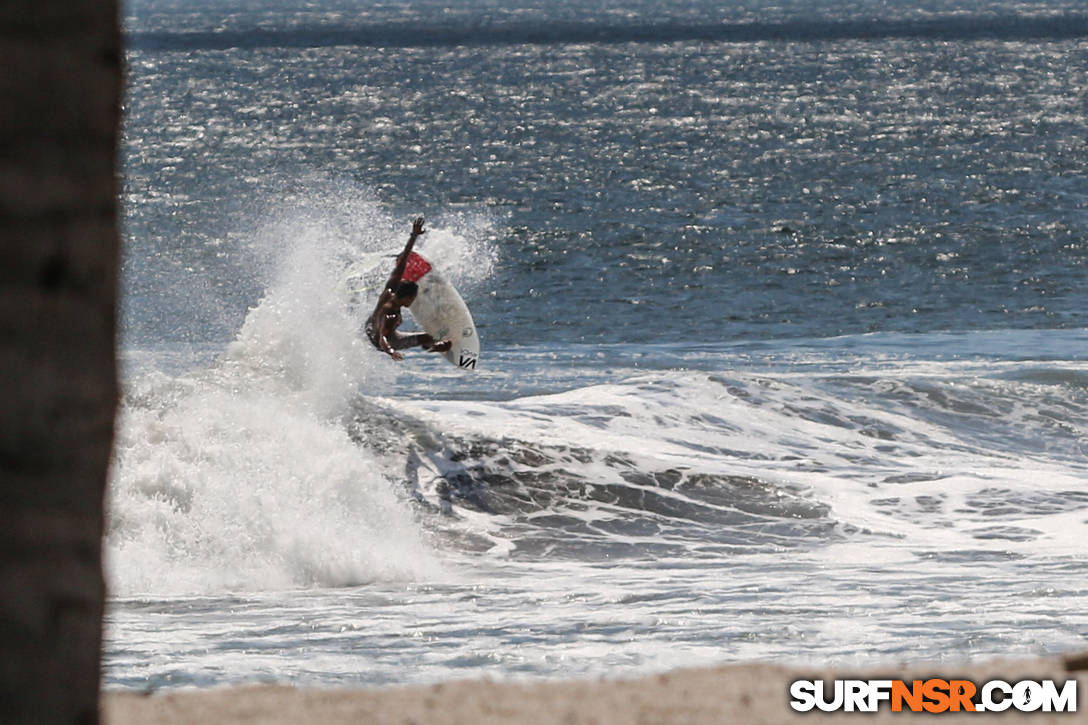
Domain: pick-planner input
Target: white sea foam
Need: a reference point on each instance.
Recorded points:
(241, 475)
(226, 490)
(920, 457)
(858, 513)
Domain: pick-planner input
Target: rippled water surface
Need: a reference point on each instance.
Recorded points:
(783, 324)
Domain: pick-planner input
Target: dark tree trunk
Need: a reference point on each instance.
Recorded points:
(60, 85)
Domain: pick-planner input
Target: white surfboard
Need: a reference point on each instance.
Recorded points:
(440, 311)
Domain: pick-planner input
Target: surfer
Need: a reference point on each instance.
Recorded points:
(382, 326)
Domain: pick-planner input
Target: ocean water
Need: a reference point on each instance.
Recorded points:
(784, 327)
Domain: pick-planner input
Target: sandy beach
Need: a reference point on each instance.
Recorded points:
(752, 693)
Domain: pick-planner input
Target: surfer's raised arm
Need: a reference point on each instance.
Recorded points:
(402, 260)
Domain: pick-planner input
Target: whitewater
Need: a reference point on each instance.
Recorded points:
(783, 335)
(296, 506)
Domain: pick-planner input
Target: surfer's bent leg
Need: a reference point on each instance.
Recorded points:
(419, 339)
(405, 340)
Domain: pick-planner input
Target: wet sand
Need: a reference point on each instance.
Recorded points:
(747, 694)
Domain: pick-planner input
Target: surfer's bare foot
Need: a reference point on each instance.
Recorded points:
(442, 346)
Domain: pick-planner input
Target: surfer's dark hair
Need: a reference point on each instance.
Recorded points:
(407, 289)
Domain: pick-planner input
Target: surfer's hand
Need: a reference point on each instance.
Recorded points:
(417, 227)
(396, 355)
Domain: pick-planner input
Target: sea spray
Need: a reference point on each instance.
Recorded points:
(240, 475)
(225, 490)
